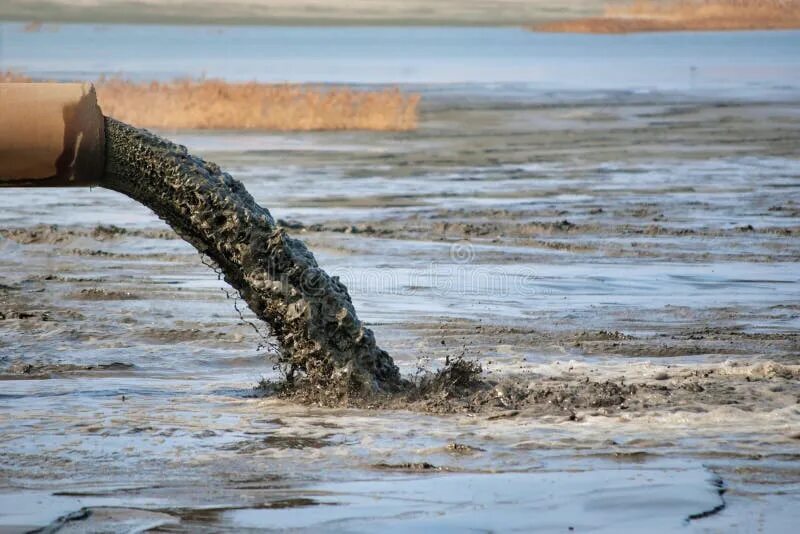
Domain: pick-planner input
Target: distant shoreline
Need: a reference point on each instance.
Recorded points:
(604, 25)
(546, 16)
(466, 13)
(684, 15)
(588, 26)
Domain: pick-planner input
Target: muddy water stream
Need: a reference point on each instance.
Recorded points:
(634, 265)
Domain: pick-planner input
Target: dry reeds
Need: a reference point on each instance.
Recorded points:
(686, 15)
(216, 104)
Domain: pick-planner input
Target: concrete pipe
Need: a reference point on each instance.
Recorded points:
(51, 134)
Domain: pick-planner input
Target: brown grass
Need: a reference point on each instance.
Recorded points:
(215, 104)
(686, 15)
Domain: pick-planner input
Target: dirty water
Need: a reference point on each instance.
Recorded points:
(626, 274)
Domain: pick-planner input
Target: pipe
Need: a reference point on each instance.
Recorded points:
(51, 134)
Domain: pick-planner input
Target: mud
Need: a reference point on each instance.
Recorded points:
(42, 370)
(578, 392)
(52, 234)
(309, 313)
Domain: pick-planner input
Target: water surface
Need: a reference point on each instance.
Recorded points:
(495, 61)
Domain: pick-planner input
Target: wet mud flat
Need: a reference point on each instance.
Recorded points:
(625, 274)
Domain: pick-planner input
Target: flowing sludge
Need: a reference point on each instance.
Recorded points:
(309, 312)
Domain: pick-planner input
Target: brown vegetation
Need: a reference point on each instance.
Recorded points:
(216, 104)
(686, 15)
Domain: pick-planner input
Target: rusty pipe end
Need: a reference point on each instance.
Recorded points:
(51, 134)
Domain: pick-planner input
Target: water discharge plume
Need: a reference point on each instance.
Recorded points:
(309, 312)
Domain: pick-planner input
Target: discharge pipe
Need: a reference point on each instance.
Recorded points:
(51, 134)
